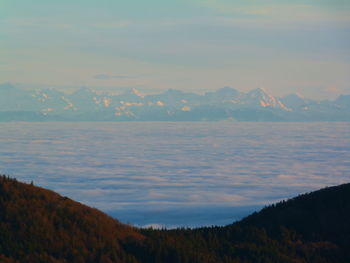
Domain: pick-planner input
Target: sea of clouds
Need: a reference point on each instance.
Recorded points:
(177, 174)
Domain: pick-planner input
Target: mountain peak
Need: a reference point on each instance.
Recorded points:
(259, 91)
(294, 101)
(225, 94)
(228, 90)
(132, 92)
(264, 99)
(137, 93)
(343, 101)
(227, 101)
(83, 90)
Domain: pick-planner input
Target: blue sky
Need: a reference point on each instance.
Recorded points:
(193, 45)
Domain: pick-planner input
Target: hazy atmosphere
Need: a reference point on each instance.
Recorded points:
(183, 131)
(193, 45)
(177, 174)
(188, 76)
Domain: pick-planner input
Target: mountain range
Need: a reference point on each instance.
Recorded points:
(41, 226)
(171, 105)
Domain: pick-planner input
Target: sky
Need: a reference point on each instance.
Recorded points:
(283, 46)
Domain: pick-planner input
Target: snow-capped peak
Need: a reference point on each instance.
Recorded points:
(137, 93)
(264, 99)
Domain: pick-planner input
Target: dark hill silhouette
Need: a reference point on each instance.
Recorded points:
(323, 214)
(38, 225)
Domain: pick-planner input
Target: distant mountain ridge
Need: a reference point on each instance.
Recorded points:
(171, 105)
(40, 226)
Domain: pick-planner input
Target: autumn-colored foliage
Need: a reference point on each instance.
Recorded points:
(38, 225)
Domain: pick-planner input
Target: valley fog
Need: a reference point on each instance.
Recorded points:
(177, 173)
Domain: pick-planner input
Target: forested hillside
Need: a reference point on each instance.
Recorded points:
(38, 225)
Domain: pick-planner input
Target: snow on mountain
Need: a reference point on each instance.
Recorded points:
(132, 95)
(137, 93)
(86, 104)
(51, 100)
(259, 97)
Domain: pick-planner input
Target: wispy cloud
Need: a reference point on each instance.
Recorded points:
(256, 13)
(111, 25)
(194, 44)
(107, 77)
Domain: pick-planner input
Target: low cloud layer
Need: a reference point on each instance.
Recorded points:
(162, 173)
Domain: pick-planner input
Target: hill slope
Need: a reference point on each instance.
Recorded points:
(313, 227)
(38, 225)
(323, 214)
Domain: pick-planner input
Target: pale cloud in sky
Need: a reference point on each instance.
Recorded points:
(191, 45)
